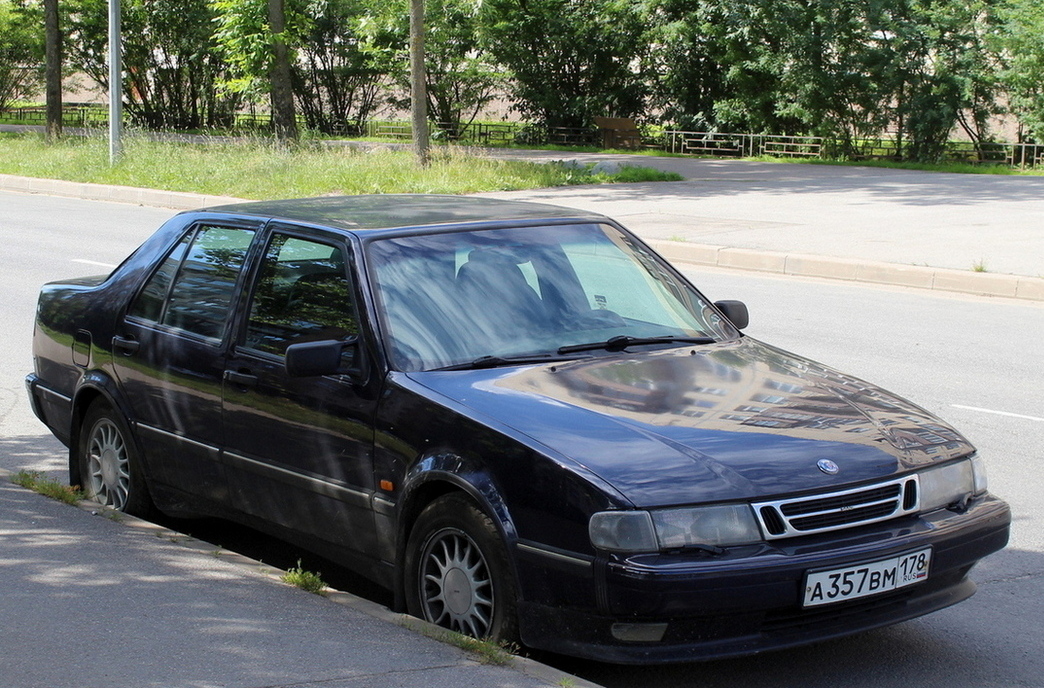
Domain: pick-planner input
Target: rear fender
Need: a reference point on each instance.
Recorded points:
(95, 385)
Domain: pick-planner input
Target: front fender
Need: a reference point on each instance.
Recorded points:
(435, 475)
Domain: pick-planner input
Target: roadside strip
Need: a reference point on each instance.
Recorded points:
(922, 277)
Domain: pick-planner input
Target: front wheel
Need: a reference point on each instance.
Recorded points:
(457, 572)
(109, 466)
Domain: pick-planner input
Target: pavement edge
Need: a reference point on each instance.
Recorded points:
(525, 665)
(853, 270)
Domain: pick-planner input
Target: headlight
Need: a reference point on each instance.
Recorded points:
(726, 524)
(623, 531)
(947, 484)
(643, 531)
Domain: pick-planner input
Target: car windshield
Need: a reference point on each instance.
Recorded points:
(452, 298)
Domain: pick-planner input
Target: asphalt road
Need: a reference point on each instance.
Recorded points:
(974, 361)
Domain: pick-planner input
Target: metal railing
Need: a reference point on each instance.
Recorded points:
(727, 144)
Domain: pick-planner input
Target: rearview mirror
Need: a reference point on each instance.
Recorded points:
(326, 357)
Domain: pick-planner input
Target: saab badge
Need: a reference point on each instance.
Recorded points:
(828, 466)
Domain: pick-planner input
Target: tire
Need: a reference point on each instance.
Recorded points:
(457, 573)
(110, 468)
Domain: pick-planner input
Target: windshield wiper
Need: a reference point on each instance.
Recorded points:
(621, 342)
(499, 361)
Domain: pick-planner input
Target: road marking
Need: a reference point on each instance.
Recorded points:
(998, 413)
(94, 262)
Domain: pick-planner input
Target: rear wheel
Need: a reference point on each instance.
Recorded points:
(109, 466)
(457, 572)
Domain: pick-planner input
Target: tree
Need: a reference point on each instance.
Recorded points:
(171, 62)
(1018, 37)
(683, 66)
(569, 60)
(460, 80)
(792, 66)
(21, 50)
(941, 73)
(342, 68)
(338, 57)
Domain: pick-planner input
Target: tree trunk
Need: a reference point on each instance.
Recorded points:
(418, 91)
(53, 72)
(284, 119)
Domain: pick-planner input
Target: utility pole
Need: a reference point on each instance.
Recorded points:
(418, 79)
(53, 70)
(115, 84)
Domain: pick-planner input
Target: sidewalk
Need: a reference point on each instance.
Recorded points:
(976, 234)
(89, 602)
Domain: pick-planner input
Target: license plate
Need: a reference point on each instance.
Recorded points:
(862, 580)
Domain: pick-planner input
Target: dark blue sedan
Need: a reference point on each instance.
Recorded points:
(518, 417)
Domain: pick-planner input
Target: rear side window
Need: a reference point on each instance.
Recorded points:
(192, 289)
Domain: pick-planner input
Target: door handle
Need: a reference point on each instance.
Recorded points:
(241, 379)
(127, 346)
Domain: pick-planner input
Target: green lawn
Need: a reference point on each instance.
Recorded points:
(260, 170)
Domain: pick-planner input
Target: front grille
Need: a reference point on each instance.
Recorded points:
(821, 513)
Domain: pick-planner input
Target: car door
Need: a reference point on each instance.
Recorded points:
(169, 355)
(299, 449)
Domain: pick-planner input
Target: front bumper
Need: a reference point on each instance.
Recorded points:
(749, 600)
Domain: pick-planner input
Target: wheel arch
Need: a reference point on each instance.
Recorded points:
(95, 385)
(435, 477)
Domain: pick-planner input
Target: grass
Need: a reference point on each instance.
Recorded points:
(49, 487)
(260, 170)
(306, 580)
(487, 651)
(979, 265)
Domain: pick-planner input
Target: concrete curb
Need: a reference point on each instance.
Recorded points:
(827, 267)
(176, 200)
(524, 665)
(853, 270)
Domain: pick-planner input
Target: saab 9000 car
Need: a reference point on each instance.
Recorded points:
(516, 416)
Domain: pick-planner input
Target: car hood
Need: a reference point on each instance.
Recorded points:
(734, 420)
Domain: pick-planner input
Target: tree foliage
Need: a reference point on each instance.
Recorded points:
(569, 60)
(338, 80)
(21, 50)
(171, 64)
(1020, 48)
(846, 70)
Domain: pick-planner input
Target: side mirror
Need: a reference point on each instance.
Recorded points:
(326, 357)
(735, 311)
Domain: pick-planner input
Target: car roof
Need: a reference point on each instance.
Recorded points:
(392, 211)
